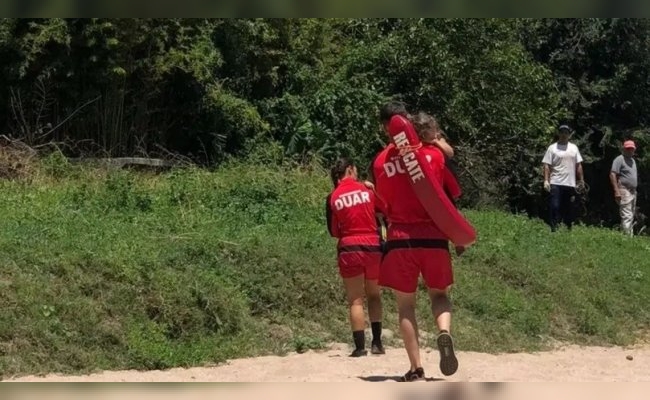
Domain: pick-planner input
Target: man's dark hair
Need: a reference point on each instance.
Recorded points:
(338, 169)
(388, 110)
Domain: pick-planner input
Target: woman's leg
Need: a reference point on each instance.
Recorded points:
(375, 314)
(355, 290)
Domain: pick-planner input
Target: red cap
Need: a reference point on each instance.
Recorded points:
(628, 144)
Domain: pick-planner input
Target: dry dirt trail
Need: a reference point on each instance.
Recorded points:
(569, 364)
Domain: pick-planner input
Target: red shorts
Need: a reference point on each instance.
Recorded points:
(359, 255)
(414, 249)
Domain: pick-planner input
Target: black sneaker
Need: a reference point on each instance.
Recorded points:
(377, 348)
(413, 376)
(448, 361)
(359, 353)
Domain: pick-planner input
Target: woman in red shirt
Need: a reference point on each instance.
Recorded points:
(351, 212)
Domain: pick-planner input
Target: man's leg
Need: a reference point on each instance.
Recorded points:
(626, 207)
(409, 327)
(354, 288)
(400, 274)
(571, 206)
(633, 214)
(565, 203)
(554, 204)
(441, 308)
(438, 275)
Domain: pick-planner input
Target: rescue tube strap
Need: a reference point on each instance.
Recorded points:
(408, 149)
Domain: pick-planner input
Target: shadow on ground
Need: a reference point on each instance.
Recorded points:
(379, 378)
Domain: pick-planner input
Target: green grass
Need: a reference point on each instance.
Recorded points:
(121, 270)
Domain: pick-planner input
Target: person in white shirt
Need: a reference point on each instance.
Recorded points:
(562, 165)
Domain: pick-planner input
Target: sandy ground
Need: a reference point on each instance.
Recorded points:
(570, 364)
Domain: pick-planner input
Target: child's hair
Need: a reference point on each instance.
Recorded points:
(425, 123)
(338, 169)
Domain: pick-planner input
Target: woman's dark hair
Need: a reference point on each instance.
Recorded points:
(388, 110)
(338, 169)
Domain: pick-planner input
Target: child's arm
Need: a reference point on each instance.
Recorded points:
(444, 146)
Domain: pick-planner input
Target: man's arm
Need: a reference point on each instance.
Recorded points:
(547, 173)
(579, 172)
(546, 163)
(547, 177)
(613, 178)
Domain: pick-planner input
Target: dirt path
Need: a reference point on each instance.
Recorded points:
(567, 365)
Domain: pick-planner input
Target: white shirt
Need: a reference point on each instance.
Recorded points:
(563, 160)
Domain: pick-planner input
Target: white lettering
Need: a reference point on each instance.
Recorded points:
(347, 201)
(351, 199)
(411, 162)
(415, 172)
(389, 167)
(418, 175)
(400, 139)
(393, 167)
(413, 168)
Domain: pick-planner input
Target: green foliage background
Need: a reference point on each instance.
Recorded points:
(212, 89)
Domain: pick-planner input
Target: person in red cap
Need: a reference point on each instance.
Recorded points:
(415, 246)
(351, 212)
(623, 177)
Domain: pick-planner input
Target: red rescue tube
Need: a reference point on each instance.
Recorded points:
(451, 184)
(428, 190)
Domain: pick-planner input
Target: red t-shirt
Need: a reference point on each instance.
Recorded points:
(350, 210)
(450, 182)
(394, 188)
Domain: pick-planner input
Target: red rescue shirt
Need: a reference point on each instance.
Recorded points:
(350, 211)
(393, 186)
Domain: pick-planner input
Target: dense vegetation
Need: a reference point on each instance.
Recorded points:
(109, 270)
(215, 88)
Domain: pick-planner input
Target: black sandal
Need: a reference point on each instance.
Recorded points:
(377, 348)
(359, 353)
(413, 376)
